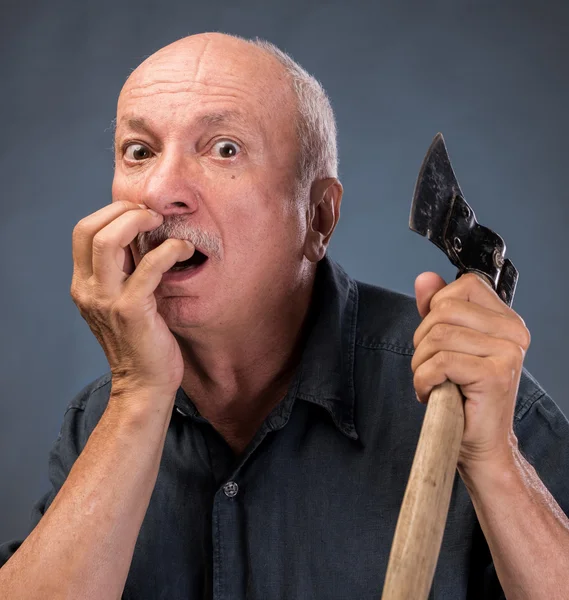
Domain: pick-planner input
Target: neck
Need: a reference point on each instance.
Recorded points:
(236, 378)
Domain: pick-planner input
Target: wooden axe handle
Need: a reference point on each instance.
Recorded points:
(421, 523)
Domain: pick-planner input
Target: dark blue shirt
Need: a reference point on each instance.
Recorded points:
(308, 511)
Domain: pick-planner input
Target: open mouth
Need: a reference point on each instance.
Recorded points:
(197, 259)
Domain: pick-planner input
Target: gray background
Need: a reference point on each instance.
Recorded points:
(491, 76)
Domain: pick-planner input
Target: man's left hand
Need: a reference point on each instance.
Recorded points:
(470, 337)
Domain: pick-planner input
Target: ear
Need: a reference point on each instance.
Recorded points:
(322, 216)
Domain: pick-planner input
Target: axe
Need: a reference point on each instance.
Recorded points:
(440, 213)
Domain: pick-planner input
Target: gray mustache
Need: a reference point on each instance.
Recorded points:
(177, 226)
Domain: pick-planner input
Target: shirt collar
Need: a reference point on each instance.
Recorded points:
(325, 375)
(327, 364)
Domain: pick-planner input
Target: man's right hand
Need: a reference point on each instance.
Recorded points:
(120, 308)
(83, 545)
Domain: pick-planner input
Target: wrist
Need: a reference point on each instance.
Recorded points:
(139, 407)
(499, 472)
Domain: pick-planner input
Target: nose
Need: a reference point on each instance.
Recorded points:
(171, 184)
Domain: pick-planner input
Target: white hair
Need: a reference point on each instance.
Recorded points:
(316, 124)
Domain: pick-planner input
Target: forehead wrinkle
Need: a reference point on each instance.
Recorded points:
(201, 95)
(172, 76)
(209, 59)
(185, 87)
(220, 93)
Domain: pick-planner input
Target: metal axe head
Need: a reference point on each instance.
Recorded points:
(440, 213)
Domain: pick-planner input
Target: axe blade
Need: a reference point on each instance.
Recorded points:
(440, 213)
(434, 191)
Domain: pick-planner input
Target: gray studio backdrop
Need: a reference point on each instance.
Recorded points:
(491, 76)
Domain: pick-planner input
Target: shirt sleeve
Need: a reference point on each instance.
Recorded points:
(542, 430)
(61, 458)
(543, 435)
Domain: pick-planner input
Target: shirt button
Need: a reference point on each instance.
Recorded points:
(230, 489)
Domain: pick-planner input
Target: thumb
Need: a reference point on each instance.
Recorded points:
(426, 286)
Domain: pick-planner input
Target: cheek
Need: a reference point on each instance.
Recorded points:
(261, 214)
(127, 188)
(119, 191)
(266, 241)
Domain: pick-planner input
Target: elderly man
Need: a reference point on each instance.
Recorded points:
(255, 433)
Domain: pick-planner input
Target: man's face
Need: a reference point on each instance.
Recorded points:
(206, 137)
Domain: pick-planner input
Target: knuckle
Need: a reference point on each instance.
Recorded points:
(73, 289)
(468, 279)
(504, 375)
(83, 303)
(100, 242)
(77, 299)
(442, 358)
(517, 355)
(77, 292)
(446, 305)
(525, 338)
(517, 317)
(440, 332)
(473, 281)
(148, 262)
(80, 230)
(415, 362)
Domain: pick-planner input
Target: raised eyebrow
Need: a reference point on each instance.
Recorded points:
(137, 124)
(134, 123)
(140, 125)
(249, 129)
(219, 118)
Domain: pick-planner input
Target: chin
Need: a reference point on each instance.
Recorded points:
(181, 312)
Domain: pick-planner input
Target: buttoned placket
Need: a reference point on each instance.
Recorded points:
(230, 571)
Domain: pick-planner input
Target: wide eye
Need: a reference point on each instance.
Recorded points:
(226, 149)
(136, 152)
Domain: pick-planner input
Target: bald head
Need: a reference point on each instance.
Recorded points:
(216, 60)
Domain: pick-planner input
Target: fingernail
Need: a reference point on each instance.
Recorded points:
(142, 205)
(190, 245)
